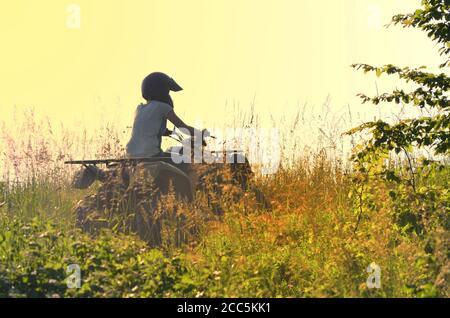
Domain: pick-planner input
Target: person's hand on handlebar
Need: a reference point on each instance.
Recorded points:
(174, 119)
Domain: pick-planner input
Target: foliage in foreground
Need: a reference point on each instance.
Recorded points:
(305, 246)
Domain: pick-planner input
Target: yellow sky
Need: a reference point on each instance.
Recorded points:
(279, 53)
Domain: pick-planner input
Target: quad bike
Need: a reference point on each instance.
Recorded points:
(131, 190)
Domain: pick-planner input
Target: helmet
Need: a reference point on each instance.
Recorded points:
(158, 84)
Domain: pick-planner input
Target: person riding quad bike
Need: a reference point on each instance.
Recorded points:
(150, 121)
(137, 183)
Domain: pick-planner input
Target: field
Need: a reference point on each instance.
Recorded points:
(328, 223)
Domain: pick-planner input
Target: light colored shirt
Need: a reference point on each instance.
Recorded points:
(149, 124)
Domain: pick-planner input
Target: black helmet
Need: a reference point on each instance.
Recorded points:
(158, 84)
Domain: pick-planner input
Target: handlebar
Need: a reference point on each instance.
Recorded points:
(180, 138)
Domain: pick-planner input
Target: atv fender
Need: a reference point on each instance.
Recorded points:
(163, 175)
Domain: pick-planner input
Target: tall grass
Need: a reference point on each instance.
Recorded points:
(304, 246)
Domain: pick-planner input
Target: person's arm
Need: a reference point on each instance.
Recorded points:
(174, 119)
